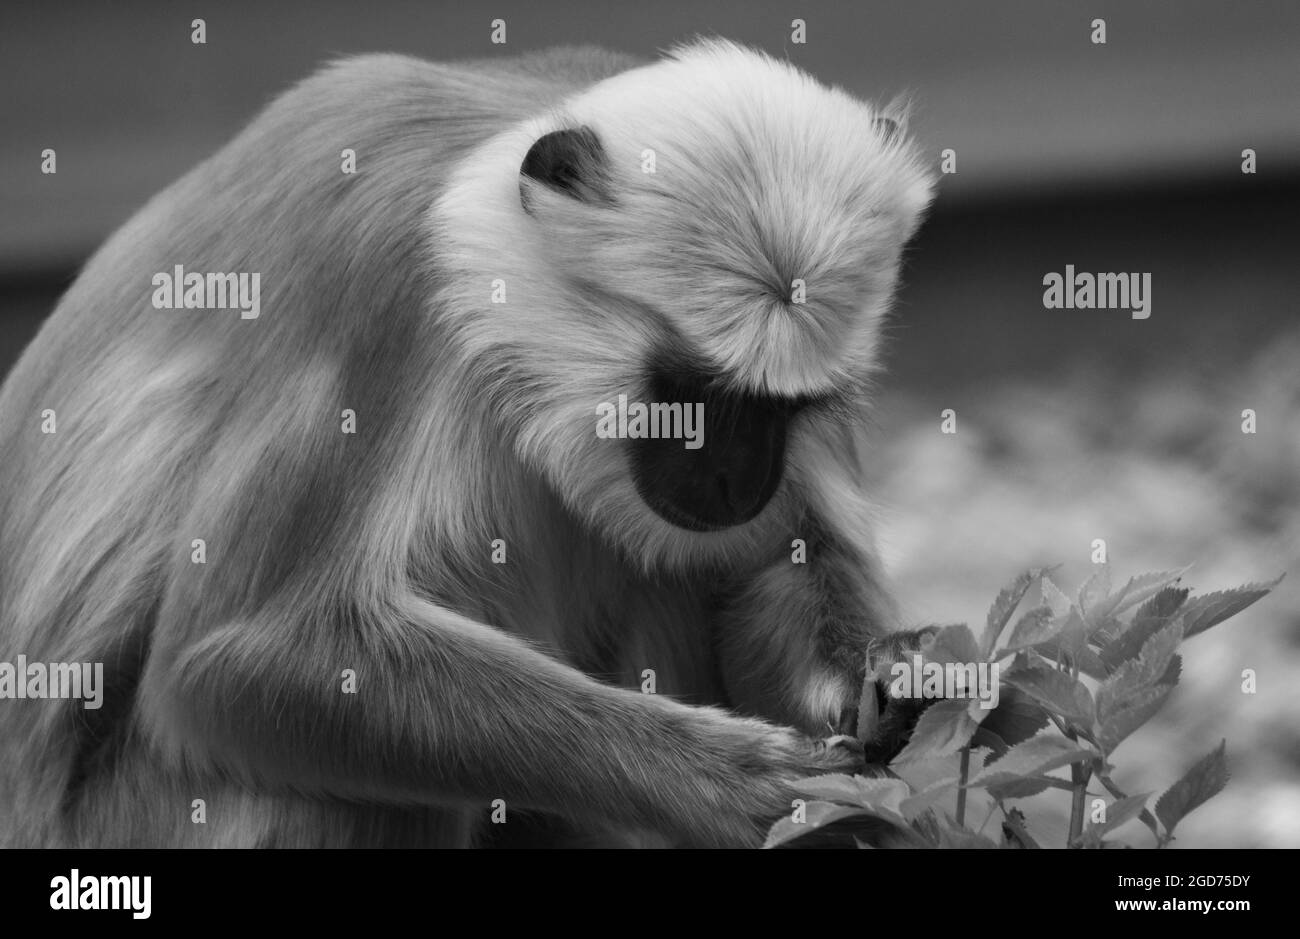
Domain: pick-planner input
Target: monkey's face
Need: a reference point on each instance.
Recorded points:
(728, 471)
(716, 237)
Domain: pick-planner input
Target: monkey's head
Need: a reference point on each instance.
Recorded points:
(716, 229)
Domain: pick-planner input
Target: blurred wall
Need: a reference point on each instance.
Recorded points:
(1015, 86)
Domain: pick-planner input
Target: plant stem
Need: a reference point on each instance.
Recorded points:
(1079, 775)
(961, 791)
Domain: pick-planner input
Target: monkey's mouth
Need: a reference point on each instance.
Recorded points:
(733, 465)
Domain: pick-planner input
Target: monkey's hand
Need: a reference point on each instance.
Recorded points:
(748, 781)
(884, 721)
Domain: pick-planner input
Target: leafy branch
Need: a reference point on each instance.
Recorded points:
(1074, 678)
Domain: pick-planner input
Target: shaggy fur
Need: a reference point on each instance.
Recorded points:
(475, 421)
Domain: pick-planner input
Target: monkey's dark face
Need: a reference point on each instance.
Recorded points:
(734, 471)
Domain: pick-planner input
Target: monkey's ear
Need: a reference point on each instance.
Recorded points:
(570, 161)
(892, 120)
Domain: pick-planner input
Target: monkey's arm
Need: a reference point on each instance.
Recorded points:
(449, 710)
(796, 637)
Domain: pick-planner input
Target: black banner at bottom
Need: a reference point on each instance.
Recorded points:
(661, 889)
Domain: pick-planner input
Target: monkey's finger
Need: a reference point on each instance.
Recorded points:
(868, 709)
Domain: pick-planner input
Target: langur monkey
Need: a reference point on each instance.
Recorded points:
(360, 570)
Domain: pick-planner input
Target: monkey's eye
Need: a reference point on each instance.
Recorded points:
(817, 399)
(827, 402)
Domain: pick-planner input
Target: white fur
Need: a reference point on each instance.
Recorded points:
(763, 175)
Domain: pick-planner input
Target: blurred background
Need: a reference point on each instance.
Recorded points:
(1072, 424)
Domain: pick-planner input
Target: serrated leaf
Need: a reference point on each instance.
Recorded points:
(1116, 815)
(1094, 592)
(1149, 619)
(1200, 783)
(1019, 788)
(1200, 613)
(1070, 647)
(944, 728)
(884, 795)
(833, 787)
(990, 741)
(916, 804)
(877, 794)
(1013, 721)
(980, 755)
(1102, 627)
(1053, 598)
(817, 815)
(955, 644)
(1032, 758)
(1035, 626)
(1141, 588)
(1005, 604)
(1105, 623)
(1146, 817)
(1057, 691)
(1122, 721)
(1134, 677)
(1164, 604)
(1071, 634)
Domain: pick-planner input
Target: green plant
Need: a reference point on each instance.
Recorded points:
(1074, 679)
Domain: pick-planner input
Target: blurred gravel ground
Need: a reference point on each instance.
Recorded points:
(1165, 475)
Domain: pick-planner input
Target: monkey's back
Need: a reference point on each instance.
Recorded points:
(159, 413)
